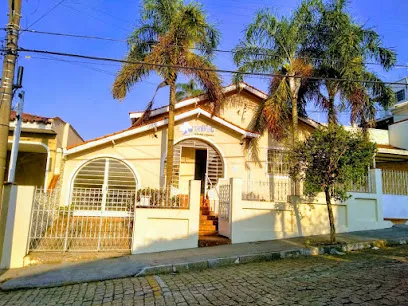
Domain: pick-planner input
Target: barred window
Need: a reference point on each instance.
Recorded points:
(400, 95)
(278, 162)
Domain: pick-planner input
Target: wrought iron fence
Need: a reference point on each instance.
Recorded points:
(163, 197)
(364, 185)
(93, 221)
(268, 191)
(224, 201)
(395, 182)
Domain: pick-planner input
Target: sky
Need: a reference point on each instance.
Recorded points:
(78, 90)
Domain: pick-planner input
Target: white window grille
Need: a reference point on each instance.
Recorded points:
(278, 162)
(108, 183)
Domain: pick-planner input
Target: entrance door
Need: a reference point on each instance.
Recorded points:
(201, 168)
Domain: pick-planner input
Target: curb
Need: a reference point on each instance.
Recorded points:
(268, 256)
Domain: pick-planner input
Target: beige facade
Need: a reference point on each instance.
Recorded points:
(143, 148)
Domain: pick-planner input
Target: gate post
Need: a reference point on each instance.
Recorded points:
(235, 206)
(15, 225)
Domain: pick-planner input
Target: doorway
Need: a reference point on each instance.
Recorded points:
(200, 167)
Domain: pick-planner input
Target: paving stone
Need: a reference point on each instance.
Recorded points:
(364, 277)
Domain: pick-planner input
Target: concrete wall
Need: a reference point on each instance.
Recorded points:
(157, 230)
(15, 225)
(398, 134)
(395, 206)
(257, 221)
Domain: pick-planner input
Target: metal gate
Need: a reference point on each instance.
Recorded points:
(82, 225)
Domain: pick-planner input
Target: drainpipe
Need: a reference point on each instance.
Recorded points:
(16, 139)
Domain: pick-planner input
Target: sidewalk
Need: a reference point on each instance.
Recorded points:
(183, 260)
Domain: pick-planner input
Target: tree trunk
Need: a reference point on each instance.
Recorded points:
(170, 136)
(332, 116)
(295, 119)
(331, 216)
(294, 85)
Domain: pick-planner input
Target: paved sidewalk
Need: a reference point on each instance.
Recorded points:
(181, 260)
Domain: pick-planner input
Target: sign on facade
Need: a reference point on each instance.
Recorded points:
(201, 130)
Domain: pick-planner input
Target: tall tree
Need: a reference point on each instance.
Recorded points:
(173, 36)
(341, 47)
(276, 45)
(187, 90)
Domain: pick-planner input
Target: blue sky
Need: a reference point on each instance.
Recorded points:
(80, 92)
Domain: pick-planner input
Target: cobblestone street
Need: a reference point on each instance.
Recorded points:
(373, 277)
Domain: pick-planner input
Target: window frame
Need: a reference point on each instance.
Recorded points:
(282, 150)
(401, 91)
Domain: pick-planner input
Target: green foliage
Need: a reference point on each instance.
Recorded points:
(331, 159)
(273, 44)
(341, 47)
(188, 90)
(175, 33)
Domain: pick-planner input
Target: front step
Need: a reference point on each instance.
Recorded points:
(208, 233)
(209, 227)
(208, 221)
(208, 217)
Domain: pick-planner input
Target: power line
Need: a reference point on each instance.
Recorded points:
(201, 68)
(46, 13)
(215, 50)
(70, 35)
(84, 65)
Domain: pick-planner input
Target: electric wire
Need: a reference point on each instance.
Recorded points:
(215, 50)
(108, 59)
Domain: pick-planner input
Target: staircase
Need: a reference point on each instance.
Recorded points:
(208, 222)
(208, 231)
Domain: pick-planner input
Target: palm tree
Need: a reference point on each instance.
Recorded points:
(342, 47)
(172, 37)
(187, 90)
(275, 46)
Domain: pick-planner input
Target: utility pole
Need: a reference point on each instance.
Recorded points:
(6, 90)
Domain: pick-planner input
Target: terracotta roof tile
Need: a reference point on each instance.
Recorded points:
(31, 118)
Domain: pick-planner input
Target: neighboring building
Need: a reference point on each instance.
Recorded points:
(40, 149)
(398, 112)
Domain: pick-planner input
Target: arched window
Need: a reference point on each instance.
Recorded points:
(103, 184)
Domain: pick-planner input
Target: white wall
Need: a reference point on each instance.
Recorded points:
(398, 134)
(257, 220)
(395, 206)
(159, 229)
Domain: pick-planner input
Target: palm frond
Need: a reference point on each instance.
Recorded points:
(128, 76)
(209, 80)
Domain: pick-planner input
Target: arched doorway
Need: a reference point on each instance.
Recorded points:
(196, 159)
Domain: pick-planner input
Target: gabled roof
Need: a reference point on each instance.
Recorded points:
(199, 98)
(228, 89)
(155, 123)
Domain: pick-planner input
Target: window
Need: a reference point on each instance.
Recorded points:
(400, 95)
(103, 184)
(278, 162)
